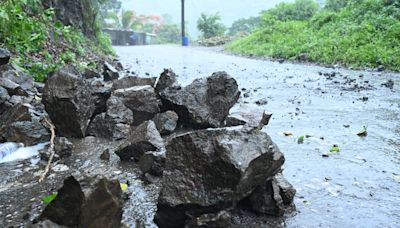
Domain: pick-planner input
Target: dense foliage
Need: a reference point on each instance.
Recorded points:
(360, 33)
(210, 25)
(244, 26)
(40, 43)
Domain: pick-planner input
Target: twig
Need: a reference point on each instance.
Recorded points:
(51, 149)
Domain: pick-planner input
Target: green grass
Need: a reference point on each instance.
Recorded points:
(360, 35)
(40, 44)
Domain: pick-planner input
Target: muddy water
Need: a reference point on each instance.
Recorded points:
(358, 187)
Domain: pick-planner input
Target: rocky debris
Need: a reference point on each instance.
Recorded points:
(4, 97)
(68, 101)
(115, 123)
(105, 156)
(5, 56)
(12, 87)
(22, 124)
(131, 81)
(166, 122)
(90, 202)
(103, 126)
(143, 138)
(62, 149)
(110, 73)
(251, 118)
(100, 93)
(91, 74)
(221, 219)
(215, 41)
(389, 84)
(142, 100)
(205, 102)
(25, 81)
(274, 197)
(152, 162)
(303, 57)
(229, 165)
(167, 79)
(262, 101)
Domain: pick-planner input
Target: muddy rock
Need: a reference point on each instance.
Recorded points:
(118, 111)
(143, 138)
(132, 81)
(229, 165)
(12, 87)
(274, 197)
(90, 74)
(142, 100)
(167, 79)
(221, 219)
(166, 122)
(68, 101)
(4, 56)
(205, 102)
(89, 202)
(251, 119)
(21, 124)
(152, 162)
(389, 84)
(109, 72)
(104, 126)
(62, 149)
(25, 81)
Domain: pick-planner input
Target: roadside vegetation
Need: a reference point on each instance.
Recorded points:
(355, 33)
(41, 44)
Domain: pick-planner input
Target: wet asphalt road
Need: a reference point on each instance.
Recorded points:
(358, 187)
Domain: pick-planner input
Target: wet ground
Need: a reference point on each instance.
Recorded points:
(358, 187)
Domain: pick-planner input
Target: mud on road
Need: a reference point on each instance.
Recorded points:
(357, 187)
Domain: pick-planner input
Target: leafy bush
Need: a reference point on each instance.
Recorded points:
(363, 34)
(40, 43)
(210, 25)
(335, 5)
(299, 10)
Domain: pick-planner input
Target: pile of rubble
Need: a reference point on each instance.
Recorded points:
(206, 161)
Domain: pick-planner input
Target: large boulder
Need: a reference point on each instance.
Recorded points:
(210, 170)
(68, 101)
(143, 138)
(22, 124)
(167, 79)
(4, 56)
(132, 81)
(272, 198)
(205, 102)
(166, 122)
(142, 100)
(113, 124)
(88, 202)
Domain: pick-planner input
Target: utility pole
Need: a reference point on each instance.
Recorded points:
(184, 38)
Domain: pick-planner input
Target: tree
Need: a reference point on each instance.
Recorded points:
(244, 25)
(299, 10)
(336, 5)
(210, 25)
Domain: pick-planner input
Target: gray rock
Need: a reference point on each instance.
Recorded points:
(90, 74)
(103, 126)
(105, 156)
(213, 169)
(274, 197)
(12, 87)
(118, 111)
(5, 56)
(62, 149)
(221, 219)
(68, 101)
(20, 124)
(167, 79)
(143, 138)
(142, 100)
(25, 81)
(132, 81)
(166, 122)
(4, 97)
(110, 73)
(89, 202)
(252, 119)
(100, 93)
(152, 162)
(205, 102)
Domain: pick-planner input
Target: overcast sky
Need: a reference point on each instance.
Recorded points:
(230, 10)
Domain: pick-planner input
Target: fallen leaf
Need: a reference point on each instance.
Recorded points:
(48, 199)
(124, 186)
(306, 202)
(286, 133)
(300, 140)
(334, 149)
(363, 132)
